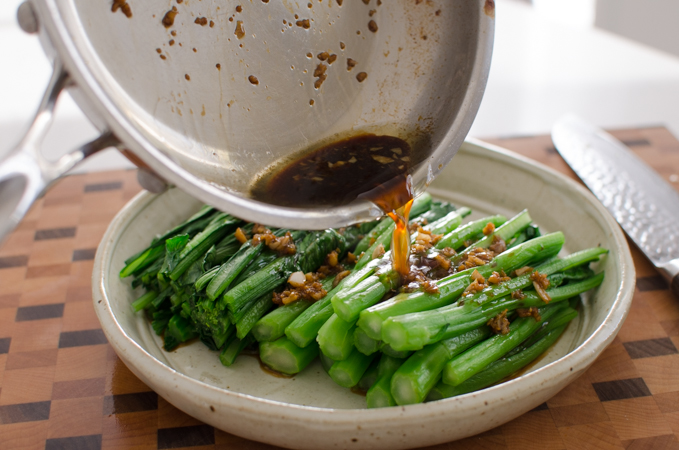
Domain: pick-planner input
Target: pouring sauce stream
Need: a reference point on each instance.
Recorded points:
(400, 241)
(361, 167)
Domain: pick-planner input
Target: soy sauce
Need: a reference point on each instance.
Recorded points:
(337, 173)
(365, 166)
(400, 240)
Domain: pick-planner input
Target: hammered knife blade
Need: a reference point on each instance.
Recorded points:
(644, 204)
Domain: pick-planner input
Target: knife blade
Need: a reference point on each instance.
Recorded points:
(644, 204)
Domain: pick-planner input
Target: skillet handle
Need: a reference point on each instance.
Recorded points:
(25, 174)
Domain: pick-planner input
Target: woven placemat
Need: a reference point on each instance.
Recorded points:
(63, 387)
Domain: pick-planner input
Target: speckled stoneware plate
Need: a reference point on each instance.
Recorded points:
(309, 411)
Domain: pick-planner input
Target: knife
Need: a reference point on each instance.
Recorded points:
(644, 204)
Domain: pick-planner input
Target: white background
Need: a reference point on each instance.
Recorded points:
(544, 65)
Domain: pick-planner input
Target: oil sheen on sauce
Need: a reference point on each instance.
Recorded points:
(367, 166)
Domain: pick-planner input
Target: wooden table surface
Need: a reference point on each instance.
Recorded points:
(63, 387)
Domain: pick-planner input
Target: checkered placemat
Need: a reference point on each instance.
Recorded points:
(62, 386)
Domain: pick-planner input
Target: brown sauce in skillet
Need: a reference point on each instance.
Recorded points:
(365, 166)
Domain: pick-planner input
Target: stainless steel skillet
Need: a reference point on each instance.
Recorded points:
(207, 95)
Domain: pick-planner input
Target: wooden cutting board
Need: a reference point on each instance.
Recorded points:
(62, 386)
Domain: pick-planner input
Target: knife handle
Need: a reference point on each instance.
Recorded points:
(670, 270)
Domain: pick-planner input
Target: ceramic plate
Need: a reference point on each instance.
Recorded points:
(309, 410)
